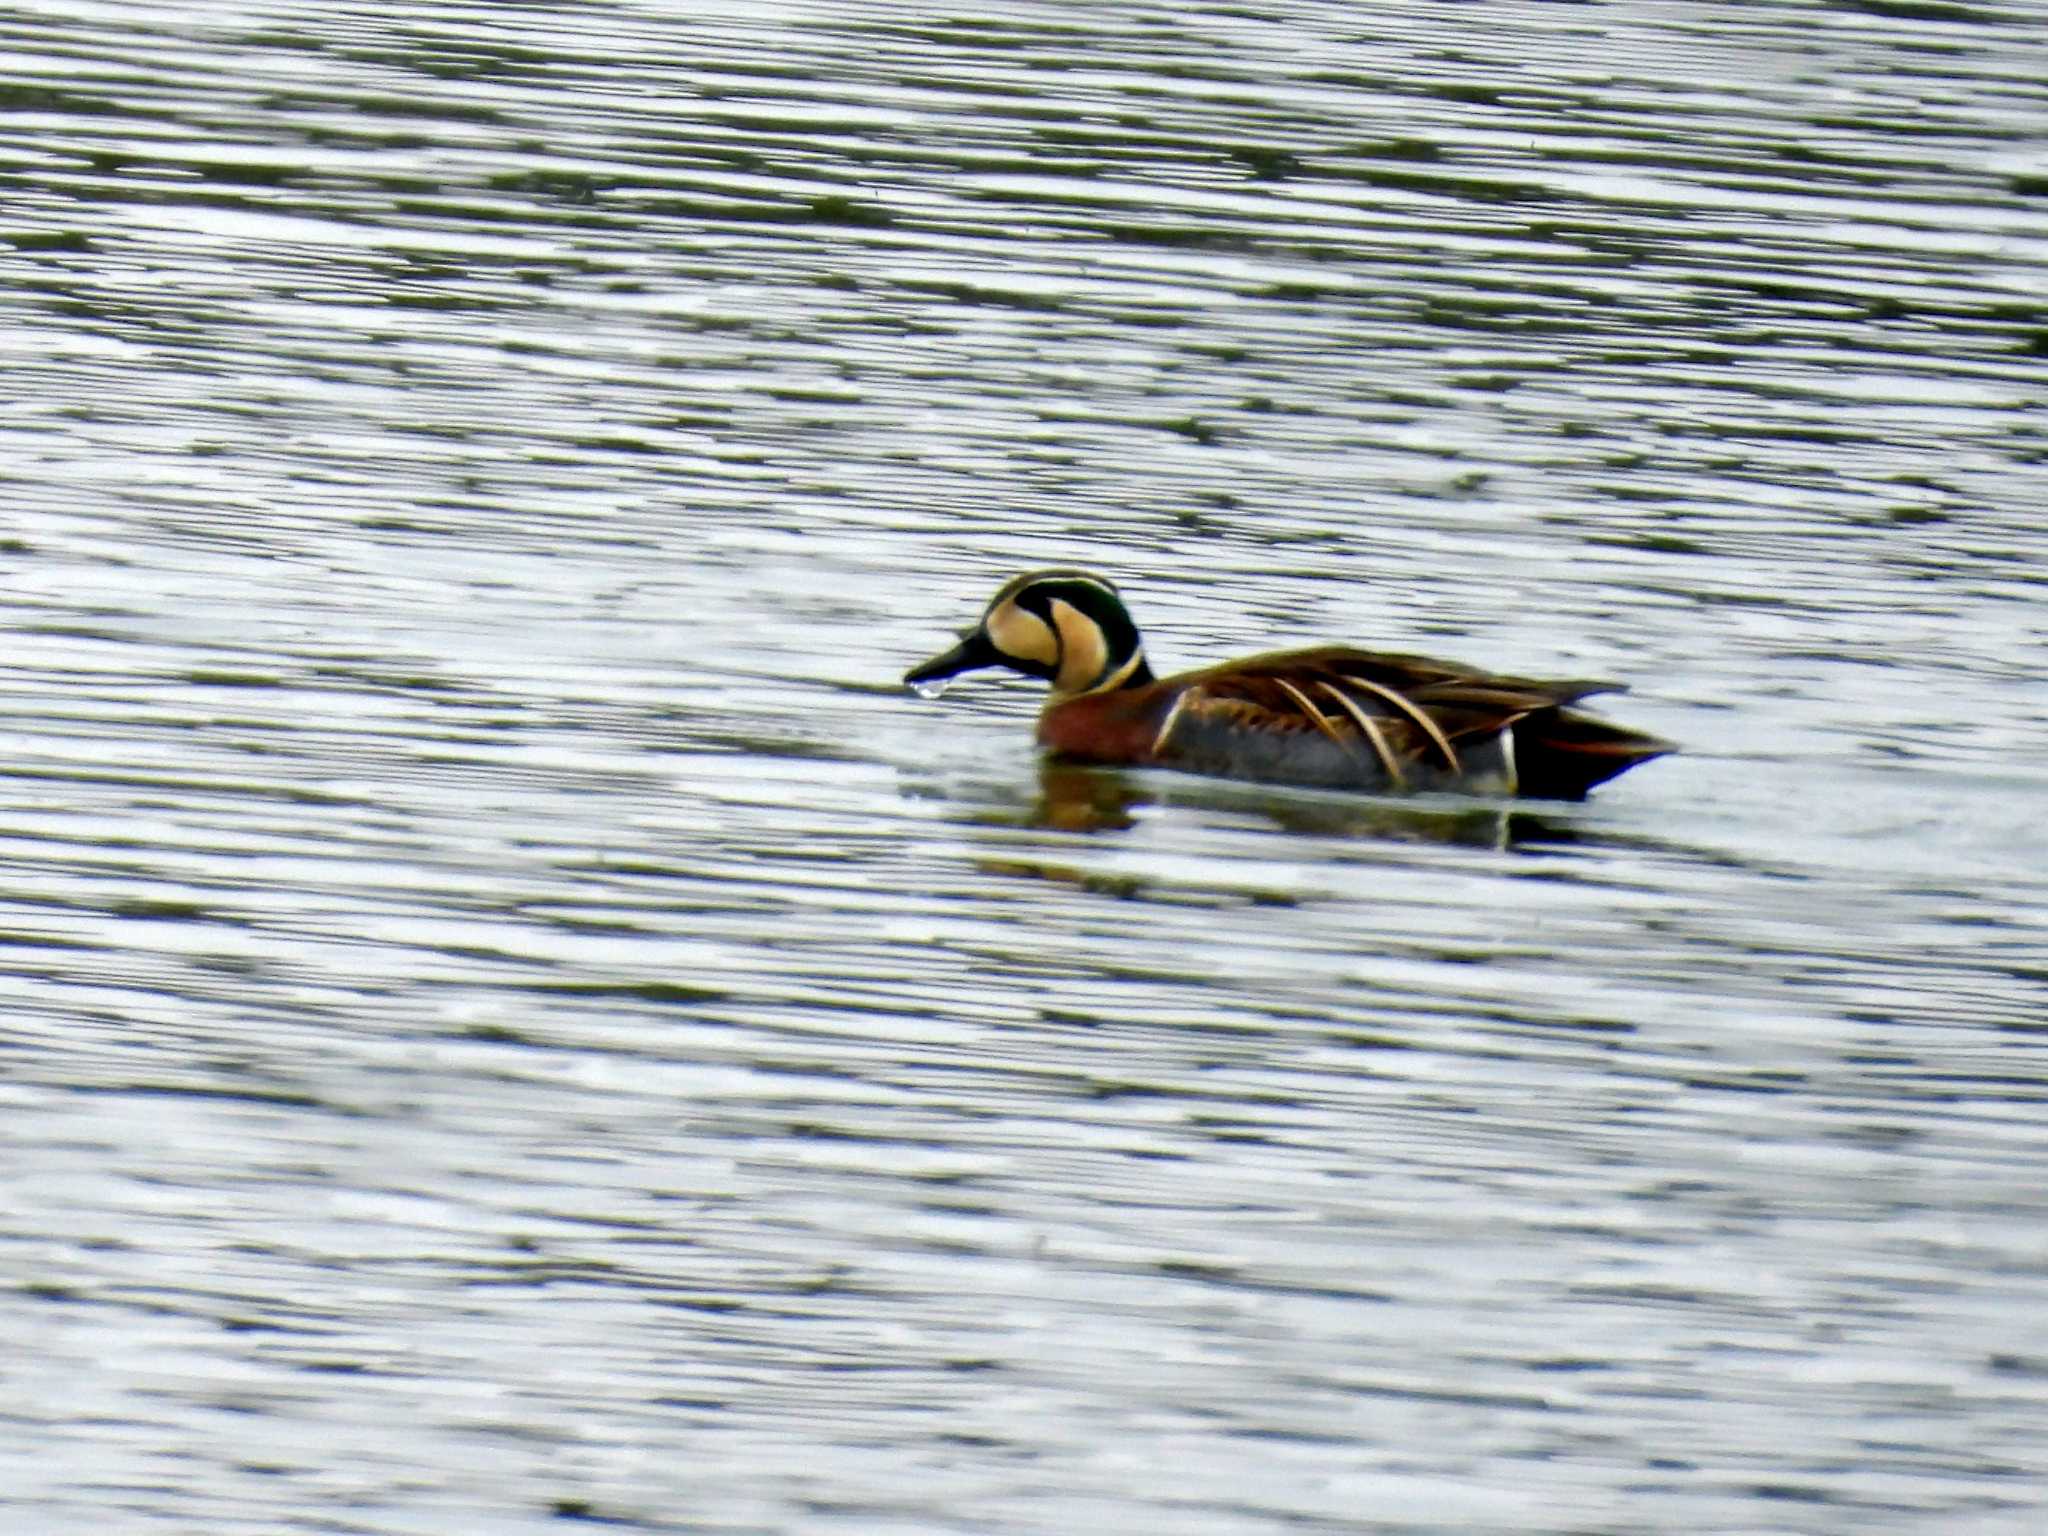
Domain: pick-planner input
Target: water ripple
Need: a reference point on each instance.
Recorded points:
(515, 1018)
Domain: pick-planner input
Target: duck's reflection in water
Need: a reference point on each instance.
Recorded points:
(1073, 797)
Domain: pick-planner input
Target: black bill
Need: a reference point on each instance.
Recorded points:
(973, 651)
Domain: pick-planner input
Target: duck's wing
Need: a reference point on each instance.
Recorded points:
(1411, 717)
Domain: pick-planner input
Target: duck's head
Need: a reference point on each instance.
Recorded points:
(1068, 627)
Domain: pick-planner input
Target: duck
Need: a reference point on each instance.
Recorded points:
(1326, 716)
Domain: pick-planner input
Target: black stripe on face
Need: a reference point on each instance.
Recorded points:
(1094, 599)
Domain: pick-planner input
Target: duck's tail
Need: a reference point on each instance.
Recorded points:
(1560, 754)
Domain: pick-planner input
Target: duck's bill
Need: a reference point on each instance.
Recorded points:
(973, 651)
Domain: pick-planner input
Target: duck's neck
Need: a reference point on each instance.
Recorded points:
(1135, 673)
(1132, 672)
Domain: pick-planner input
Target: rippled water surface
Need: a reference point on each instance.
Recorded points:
(512, 1016)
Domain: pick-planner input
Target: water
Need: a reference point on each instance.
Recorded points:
(513, 1016)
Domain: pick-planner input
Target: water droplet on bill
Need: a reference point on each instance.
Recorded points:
(931, 688)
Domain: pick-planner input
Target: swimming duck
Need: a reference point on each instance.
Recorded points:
(1328, 715)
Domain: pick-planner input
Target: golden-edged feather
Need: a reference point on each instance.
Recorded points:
(1426, 703)
(1405, 716)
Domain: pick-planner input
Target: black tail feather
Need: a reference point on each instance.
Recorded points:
(1561, 754)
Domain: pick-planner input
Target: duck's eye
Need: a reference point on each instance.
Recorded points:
(1022, 635)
